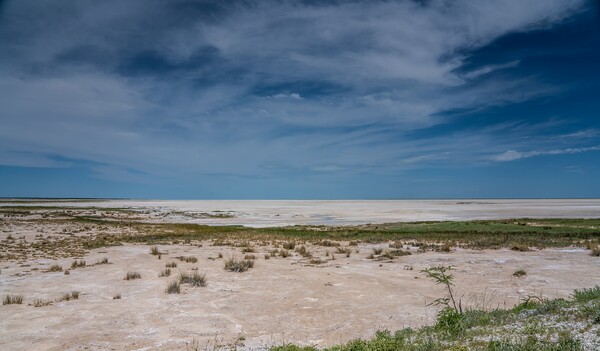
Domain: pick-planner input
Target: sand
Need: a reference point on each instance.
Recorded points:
(280, 300)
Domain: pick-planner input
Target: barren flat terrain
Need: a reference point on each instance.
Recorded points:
(312, 286)
(268, 213)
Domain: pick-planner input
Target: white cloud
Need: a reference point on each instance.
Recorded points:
(512, 155)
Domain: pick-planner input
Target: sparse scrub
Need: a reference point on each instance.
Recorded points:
(520, 247)
(284, 253)
(236, 265)
(55, 268)
(316, 261)
(377, 251)
(171, 265)
(41, 303)
(132, 275)
(188, 259)
(77, 264)
(193, 279)
(173, 288)
(154, 251)
(249, 257)
(73, 295)
(248, 249)
(165, 272)
(290, 245)
(12, 299)
(303, 251)
(519, 273)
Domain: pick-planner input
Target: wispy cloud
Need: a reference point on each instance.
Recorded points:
(206, 87)
(512, 155)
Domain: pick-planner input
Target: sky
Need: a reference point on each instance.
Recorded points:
(304, 99)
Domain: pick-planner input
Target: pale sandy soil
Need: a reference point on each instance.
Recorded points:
(285, 212)
(280, 300)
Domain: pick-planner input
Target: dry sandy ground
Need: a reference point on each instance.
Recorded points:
(286, 212)
(280, 300)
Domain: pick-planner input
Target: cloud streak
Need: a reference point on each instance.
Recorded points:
(259, 88)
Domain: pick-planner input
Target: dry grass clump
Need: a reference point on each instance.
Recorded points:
(595, 251)
(77, 264)
(73, 295)
(249, 257)
(193, 279)
(316, 261)
(284, 253)
(303, 251)
(237, 265)
(55, 268)
(327, 243)
(173, 288)
(345, 251)
(377, 251)
(41, 303)
(290, 245)
(188, 259)
(248, 249)
(165, 272)
(154, 251)
(171, 265)
(132, 275)
(519, 273)
(103, 261)
(12, 299)
(117, 297)
(445, 247)
(519, 247)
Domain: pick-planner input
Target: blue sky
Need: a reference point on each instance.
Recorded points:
(300, 99)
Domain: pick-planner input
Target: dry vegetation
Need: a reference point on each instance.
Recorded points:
(70, 234)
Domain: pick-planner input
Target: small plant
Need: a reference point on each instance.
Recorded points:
(249, 257)
(595, 251)
(103, 261)
(290, 245)
(12, 299)
(173, 288)
(132, 275)
(188, 259)
(303, 251)
(154, 251)
(165, 272)
(194, 279)
(377, 251)
(55, 268)
(171, 265)
(235, 265)
(267, 256)
(284, 253)
(519, 273)
(73, 295)
(220, 255)
(117, 297)
(440, 277)
(77, 264)
(41, 303)
(67, 272)
(316, 261)
(520, 247)
(248, 249)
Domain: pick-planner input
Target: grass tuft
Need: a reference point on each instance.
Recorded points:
(236, 265)
(173, 288)
(12, 299)
(132, 275)
(193, 279)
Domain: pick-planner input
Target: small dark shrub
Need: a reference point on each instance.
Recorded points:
(132, 275)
